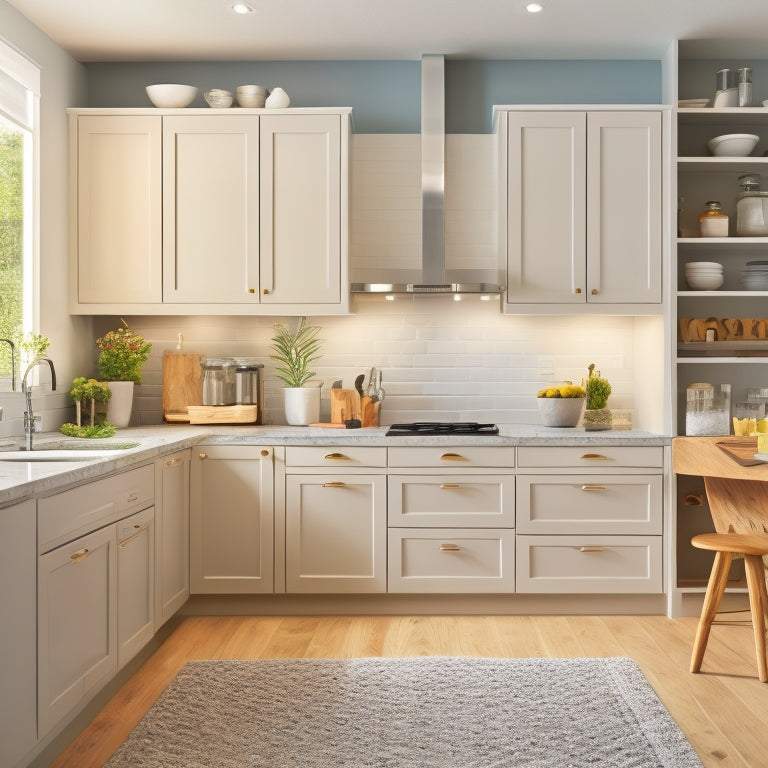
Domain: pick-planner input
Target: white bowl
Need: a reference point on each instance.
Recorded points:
(703, 264)
(218, 98)
(251, 99)
(733, 144)
(171, 95)
(704, 282)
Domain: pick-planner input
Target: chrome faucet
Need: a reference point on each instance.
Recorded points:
(30, 420)
(13, 363)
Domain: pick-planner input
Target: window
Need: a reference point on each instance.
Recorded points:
(19, 111)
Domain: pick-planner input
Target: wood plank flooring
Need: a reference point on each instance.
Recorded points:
(723, 711)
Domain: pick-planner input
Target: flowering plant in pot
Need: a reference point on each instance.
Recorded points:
(295, 351)
(560, 405)
(122, 353)
(597, 416)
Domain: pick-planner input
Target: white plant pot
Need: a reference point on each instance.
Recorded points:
(302, 405)
(560, 411)
(120, 404)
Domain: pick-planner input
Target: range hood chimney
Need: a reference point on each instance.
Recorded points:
(433, 278)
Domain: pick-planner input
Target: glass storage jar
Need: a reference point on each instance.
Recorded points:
(751, 208)
(708, 409)
(713, 222)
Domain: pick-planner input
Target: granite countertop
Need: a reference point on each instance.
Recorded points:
(21, 479)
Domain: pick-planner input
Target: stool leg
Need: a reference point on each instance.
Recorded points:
(715, 588)
(757, 603)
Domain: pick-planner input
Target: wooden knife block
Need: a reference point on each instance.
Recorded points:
(347, 404)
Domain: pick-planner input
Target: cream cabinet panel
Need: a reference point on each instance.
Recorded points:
(453, 501)
(546, 207)
(18, 659)
(452, 458)
(335, 533)
(211, 204)
(171, 535)
(451, 560)
(596, 504)
(302, 239)
(336, 457)
(624, 206)
(589, 563)
(77, 623)
(117, 218)
(582, 195)
(600, 457)
(135, 584)
(231, 519)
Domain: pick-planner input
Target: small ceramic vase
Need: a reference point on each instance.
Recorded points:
(277, 99)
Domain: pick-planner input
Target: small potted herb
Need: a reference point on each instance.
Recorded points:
(294, 352)
(597, 415)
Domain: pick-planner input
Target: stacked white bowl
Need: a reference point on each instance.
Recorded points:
(704, 275)
(754, 276)
(252, 96)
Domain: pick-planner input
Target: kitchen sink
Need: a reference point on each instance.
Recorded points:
(61, 450)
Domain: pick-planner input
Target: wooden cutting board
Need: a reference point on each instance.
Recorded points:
(182, 385)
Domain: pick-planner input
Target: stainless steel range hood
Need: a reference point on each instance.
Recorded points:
(433, 277)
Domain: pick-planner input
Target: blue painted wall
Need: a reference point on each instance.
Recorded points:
(385, 95)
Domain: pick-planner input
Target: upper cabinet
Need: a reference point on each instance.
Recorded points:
(581, 208)
(195, 212)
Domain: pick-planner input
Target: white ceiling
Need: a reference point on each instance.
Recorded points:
(195, 30)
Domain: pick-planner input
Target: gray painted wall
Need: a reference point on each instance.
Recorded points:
(385, 95)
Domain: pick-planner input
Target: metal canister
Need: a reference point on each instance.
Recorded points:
(247, 381)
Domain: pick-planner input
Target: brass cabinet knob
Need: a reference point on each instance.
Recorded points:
(202, 455)
(266, 291)
(264, 452)
(251, 290)
(594, 291)
(578, 290)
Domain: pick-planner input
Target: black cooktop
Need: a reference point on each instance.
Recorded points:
(442, 428)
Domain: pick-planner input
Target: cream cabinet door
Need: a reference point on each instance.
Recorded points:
(211, 209)
(335, 533)
(171, 535)
(18, 659)
(117, 240)
(624, 204)
(231, 519)
(77, 623)
(546, 207)
(303, 245)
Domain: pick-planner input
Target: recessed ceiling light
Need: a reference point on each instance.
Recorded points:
(534, 7)
(242, 8)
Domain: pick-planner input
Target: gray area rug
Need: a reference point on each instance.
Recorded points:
(446, 712)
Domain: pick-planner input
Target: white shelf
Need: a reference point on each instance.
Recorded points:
(711, 242)
(722, 360)
(723, 116)
(722, 294)
(725, 164)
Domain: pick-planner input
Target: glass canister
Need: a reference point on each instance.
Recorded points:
(218, 380)
(751, 208)
(708, 409)
(713, 222)
(248, 378)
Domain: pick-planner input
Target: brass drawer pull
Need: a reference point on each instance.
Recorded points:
(591, 549)
(139, 530)
(595, 457)
(450, 548)
(334, 485)
(132, 496)
(79, 556)
(592, 487)
(453, 457)
(173, 463)
(450, 485)
(337, 457)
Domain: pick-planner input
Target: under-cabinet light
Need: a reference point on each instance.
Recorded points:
(242, 8)
(534, 7)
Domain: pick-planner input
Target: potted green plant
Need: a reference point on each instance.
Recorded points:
(597, 415)
(122, 353)
(560, 405)
(294, 352)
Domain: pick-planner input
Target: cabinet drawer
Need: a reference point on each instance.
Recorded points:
(455, 501)
(449, 560)
(72, 513)
(452, 457)
(594, 564)
(602, 457)
(602, 504)
(335, 456)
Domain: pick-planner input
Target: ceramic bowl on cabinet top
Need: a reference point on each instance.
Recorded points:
(218, 98)
(252, 96)
(171, 95)
(733, 144)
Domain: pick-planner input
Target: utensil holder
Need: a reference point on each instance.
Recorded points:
(370, 410)
(345, 404)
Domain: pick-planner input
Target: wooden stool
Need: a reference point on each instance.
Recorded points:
(725, 545)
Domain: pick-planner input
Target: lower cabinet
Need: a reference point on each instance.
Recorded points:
(451, 560)
(18, 658)
(135, 584)
(171, 535)
(77, 623)
(231, 520)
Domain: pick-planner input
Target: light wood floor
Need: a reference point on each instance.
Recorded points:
(723, 710)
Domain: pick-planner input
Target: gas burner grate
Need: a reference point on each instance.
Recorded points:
(442, 428)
